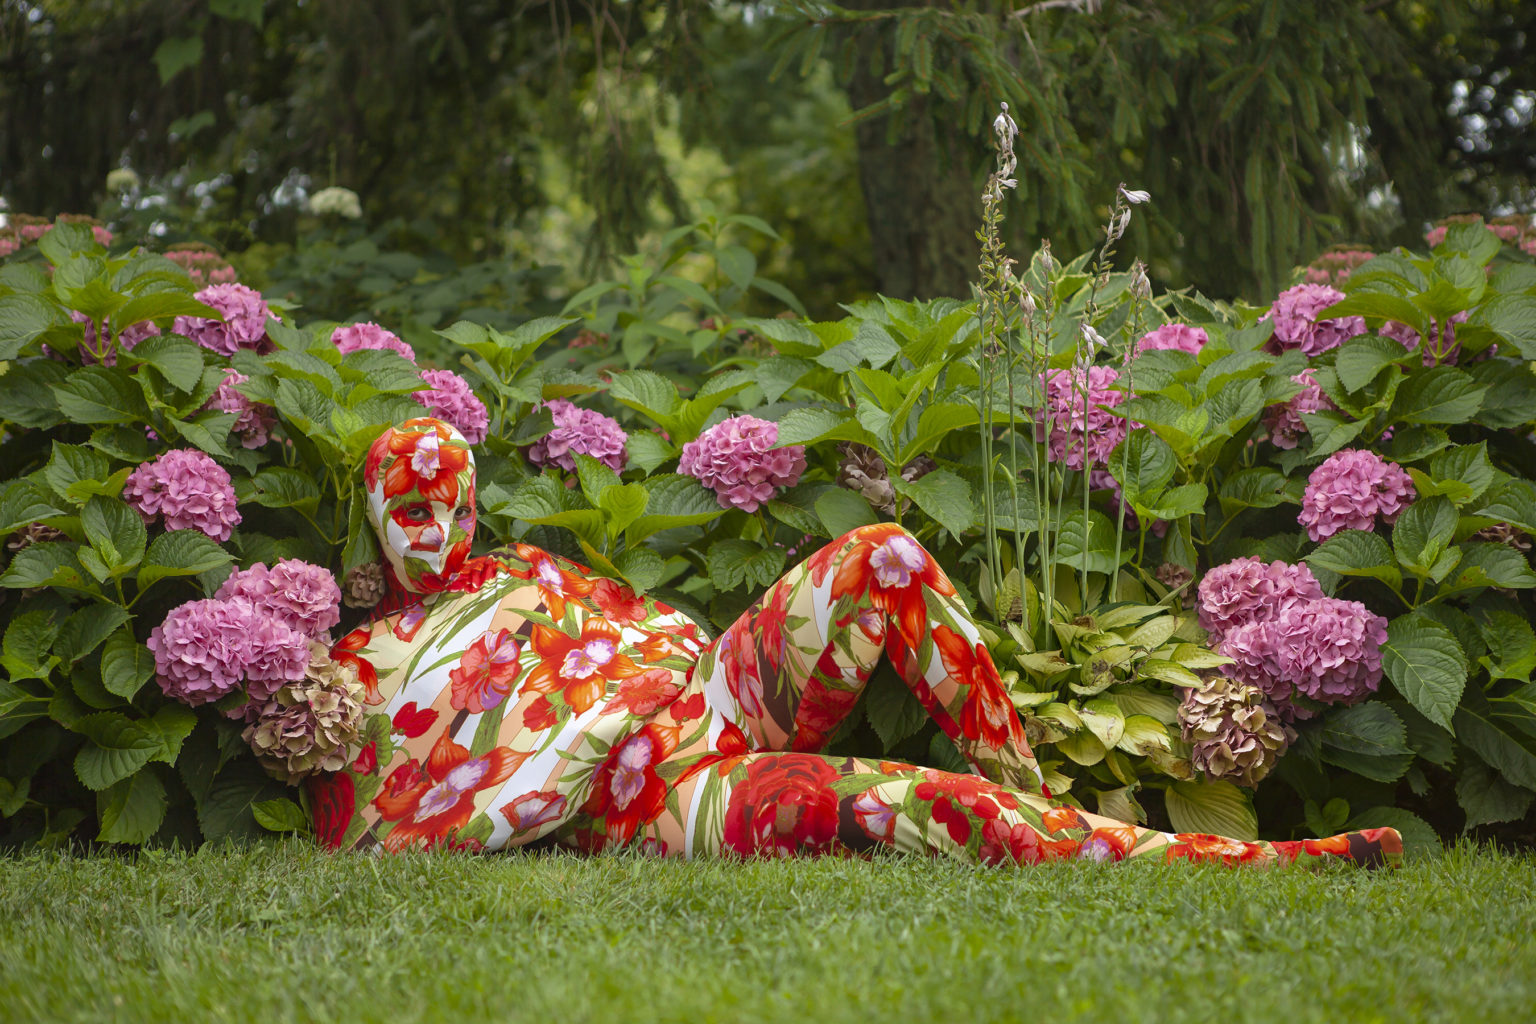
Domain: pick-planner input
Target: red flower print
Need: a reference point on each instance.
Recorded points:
(578, 667)
(333, 803)
(539, 715)
(1198, 846)
(885, 562)
(657, 646)
(688, 709)
(644, 694)
(1338, 846)
(784, 807)
(1110, 842)
(475, 573)
(953, 818)
(410, 621)
(344, 652)
(876, 817)
(367, 760)
(618, 603)
(821, 710)
(419, 455)
(554, 583)
(413, 721)
(531, 810)
(772, 624)
(737, 652)
(896, 767)
(978, 795)
(430, 805)
(986, 715)
(627, 794)
(1019, 844)
(486, 672)
(1058, 819)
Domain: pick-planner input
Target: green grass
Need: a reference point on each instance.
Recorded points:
(278, 933)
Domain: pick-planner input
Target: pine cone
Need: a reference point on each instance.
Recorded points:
(364, 586)
(1235, 732)
(1173, 575)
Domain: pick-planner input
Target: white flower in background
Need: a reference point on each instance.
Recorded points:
(1141, 288)
(341, 201)
(1005, 129)
(122, 179)
(1135, 196)
(1095, 340)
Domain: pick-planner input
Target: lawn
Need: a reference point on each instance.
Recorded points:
(278, 933)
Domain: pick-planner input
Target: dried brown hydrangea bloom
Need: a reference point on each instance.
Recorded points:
(1236, 733)
(311, 725)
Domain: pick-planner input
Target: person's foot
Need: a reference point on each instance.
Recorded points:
(1369, 848)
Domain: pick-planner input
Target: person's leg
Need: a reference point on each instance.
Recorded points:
(792, 666)
(789, 804)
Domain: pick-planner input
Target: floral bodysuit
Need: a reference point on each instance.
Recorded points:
(529, 701)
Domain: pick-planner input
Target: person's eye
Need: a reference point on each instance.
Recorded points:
(462, 512)
(419, 514)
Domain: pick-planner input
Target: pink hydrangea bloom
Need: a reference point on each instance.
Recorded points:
(1350, 489)
(579, 431)
(1330, 649)
(1284, 422)
(8, 245)
(253, 420)
(1445, 352)
(1246, 590)
(203, 266)
(201, 649)
(736, 459)
(1180, 337)
(1333, 268)
(450, 399)
(244, 325)
(276, 654)
(1102, 429)
(300, 595)
(1435, 235)
(1296, 324)
(191, 490)
(353, 337)
(96, 346)
(1253, 649)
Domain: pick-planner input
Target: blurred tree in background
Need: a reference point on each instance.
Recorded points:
(569, 131)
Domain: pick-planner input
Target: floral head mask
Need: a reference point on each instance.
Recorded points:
(420, 477)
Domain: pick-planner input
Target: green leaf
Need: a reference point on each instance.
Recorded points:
(1422, 533)
(1487, 798)
(1087, 545)
(100, 394)
(1361, 359)
(116, 748)
(842, 511)
(26, 392)
(808, 426)
(642, 567)
(1466, 465)
(1440, 394)
(1501, 739)
(779, 374)
(1419, 839)
(280, 815)
(1143, 464)
(944, 497)
(116, 531)
(226, 812)
(1511, 646)
(1213, 808)
(177, 53)
(892, 711)
(126, 664)
(282, 487)
(1330, 431)
(1513, 502)
(645, 392)
(1491, 565)
(181, 553)
(23, 319)
(1357, 553)
(85, 630)
(1512, 318)
(49, 564)
(673, 501)
(1410, 444)
(1256, 487)
(624, 504)
(1378, 304)
(28, 643)
(1426, 664)
(734, 562)
(1367, 739)
(648, 450)
(738, 264)
(131, 810)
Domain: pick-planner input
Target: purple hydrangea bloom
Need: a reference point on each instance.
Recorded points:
(245, 321)
(1102, 429)
(201, 649)
(1350, 489)
(736, 459)
(191, 490)
(1246, 590)
(353, 337)
(253, 420)
(1284, 422)
(1253, 649)
(1445, 352)
(1330, 649)
(579, 431)
(1180, 337)
(450, 399)
(1296, 324)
